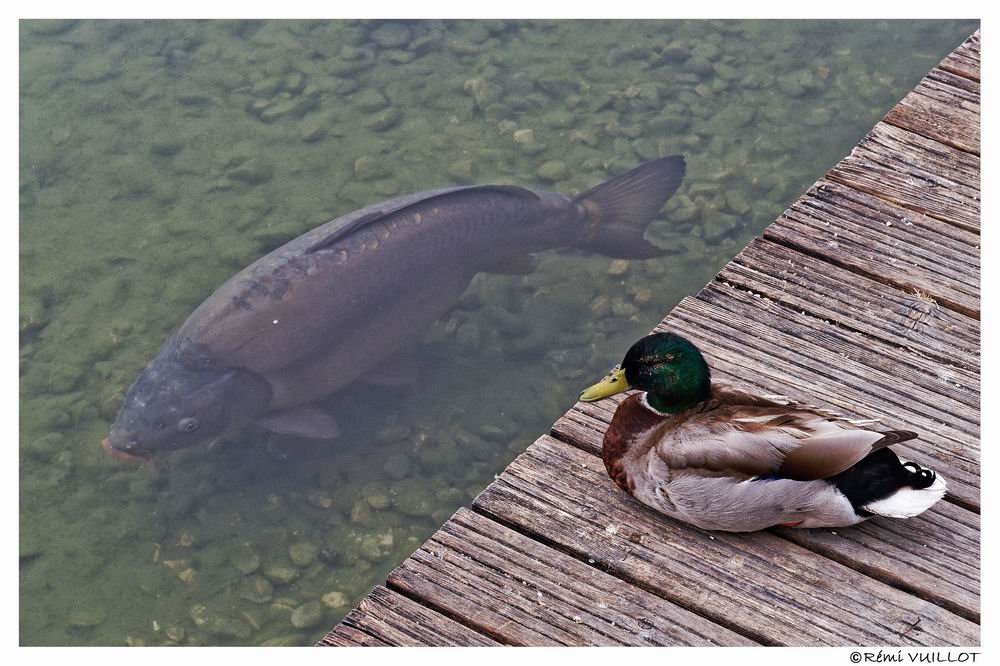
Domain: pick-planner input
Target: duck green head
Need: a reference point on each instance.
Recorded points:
(669, 368)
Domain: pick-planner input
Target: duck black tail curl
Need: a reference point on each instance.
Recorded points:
(919, 477)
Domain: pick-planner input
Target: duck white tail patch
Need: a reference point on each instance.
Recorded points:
(909, 502)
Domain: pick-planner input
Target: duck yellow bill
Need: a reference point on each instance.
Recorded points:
(615, 382)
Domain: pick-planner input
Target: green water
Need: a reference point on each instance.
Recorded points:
(158, 158)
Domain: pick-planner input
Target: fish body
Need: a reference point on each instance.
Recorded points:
(339, 302)
(369, 289)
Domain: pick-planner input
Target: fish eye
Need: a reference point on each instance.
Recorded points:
(187, 424)
(161, 425)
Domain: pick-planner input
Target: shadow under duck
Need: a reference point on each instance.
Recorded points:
(722, 458)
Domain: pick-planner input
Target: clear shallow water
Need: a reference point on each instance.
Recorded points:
(158, 158)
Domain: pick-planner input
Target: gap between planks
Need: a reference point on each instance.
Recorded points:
(854, 302)
(944, 107)
(386, 618)
(916, 173)
(521, 591)
(964, 61)
(868, 236)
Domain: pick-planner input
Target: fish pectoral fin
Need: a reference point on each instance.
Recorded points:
(394, 371)
(311, 422)
(522, 265)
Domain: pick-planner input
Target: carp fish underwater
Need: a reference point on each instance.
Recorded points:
(340, 302)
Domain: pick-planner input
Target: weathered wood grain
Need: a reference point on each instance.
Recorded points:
(820, 289)
(810, 351)
(951, 88)
(935, 555)
(896, 246)
(915, 173)
(943, 164)
(344, 635)
(933, 389)
(521, 592)
(964, 61)
(387, 618)
(943, 107)
(770, 589)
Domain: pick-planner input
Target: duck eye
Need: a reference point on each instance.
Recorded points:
(187, 424)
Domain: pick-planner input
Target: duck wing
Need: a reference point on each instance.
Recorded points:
(739, 434)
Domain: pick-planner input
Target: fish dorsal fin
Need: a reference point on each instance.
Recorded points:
(365, 216)
(347, 228)
(513, 190)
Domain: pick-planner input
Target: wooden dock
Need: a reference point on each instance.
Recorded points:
(863, 296)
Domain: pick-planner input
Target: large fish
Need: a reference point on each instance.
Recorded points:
(339, 302)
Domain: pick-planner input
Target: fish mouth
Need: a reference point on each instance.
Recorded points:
(123, 455)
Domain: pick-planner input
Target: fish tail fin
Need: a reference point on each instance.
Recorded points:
(616, 212)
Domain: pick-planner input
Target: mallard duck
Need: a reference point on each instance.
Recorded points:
(722, 458)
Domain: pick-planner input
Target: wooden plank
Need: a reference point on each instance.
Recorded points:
(965, 60)
(387, 618)
(521, 592)
(344, 635)
(809, 349)
(823, 290)
(951, 88)
(770, 589)
(915, 173)
(962, 65)
(948, 166)
(935, 555)
(887, 243)
(903, 235)
(943, 107)
(929, 388)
